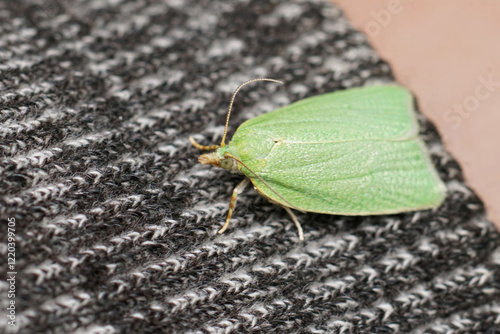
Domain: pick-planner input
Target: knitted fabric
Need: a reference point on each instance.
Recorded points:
(116, 221)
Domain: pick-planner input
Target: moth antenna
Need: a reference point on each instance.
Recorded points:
(202, 147)
(223, 142)
(229, 155)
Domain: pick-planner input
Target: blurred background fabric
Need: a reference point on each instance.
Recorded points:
(116, 221)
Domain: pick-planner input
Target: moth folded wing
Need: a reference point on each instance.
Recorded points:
(365, 113)
(353, 178)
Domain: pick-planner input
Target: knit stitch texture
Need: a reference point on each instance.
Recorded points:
(116, 221)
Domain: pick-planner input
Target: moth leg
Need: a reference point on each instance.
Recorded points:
(202, 147)
(296, 221)
(232, 204)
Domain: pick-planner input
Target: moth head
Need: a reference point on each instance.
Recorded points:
(218, 159)
(221, 157)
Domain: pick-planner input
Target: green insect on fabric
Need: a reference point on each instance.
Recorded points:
(353, 152)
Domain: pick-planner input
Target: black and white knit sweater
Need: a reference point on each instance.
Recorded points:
(116, 222)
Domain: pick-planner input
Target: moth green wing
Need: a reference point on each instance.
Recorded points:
(353, 152)
(374, 112)
(352, 178)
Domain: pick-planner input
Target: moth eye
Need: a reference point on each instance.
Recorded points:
(227, 163)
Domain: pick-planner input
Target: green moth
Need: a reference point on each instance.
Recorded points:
(352, 152)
